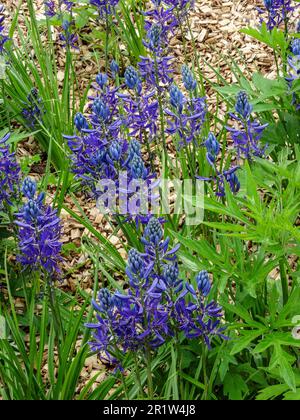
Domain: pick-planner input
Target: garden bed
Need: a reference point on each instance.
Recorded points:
(103, 98)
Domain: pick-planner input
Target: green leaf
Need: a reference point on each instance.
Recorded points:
(292, 396)
(271, 392)
(234, 386)
(243, 341)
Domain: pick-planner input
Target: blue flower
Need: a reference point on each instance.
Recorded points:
(234, 182)
(135, 262)
(80, 122)
(68, 39)
(132, 79)
(68, 4)
(247, 137)
(154, 38)
(100, 110)
(141, 115)
(3, 35)
(293, 75)
(203, 283)
(134, 149)
(53, 9)
(102, 79)
(242, 106)
(157, 73)
(31, 210)
(213, 148)
(105, 7)
(115, 151)
(166, 19)
(248, 134)
(39, 236)
(219, 179)
(9, 173)
(170, 277)
(137, 166)
(33, 109)
(176, 98)
(58, 10)
(29, 188)
(114, 68)
(153, 307)
(153, 232)
(188, 79)
(107, 301)
(187, 121)
(50, 8)
(100, 154)
(295, 47)
(277, 12)
(268, 4)
(197, 318)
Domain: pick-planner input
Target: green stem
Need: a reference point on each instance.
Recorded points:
(276, 62)
(206, 384)
(106, 42)
(137, 99)
(196, 56)
(179, 362)
(284, 281)
(161, 109)
(137, 375)
(5, 104)
(91, 311)
(55, 313)
(124, 386)
(149, 374)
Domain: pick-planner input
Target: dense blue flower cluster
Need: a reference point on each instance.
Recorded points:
(277, 12)
(9, 173)
(33, 109)
(158, 72)
(212, 150)
(248, 133)
(103, 146)
(39, 232)
(187, 115)
(3, 35)
(142, 112)
(107, 146)
(157, 306)
(105, 142)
